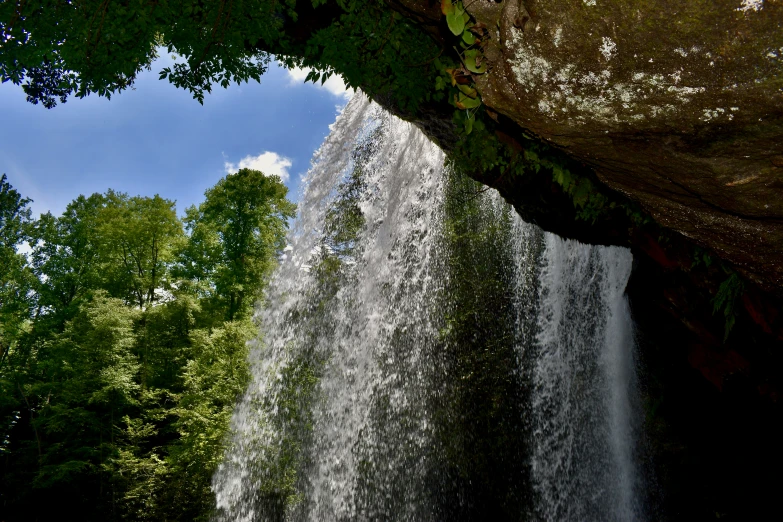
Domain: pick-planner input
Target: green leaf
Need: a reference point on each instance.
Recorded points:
(465, 102)
(471, 58)
(468, 37)
(312, 76)
(469, 124)
(468, 90)
(581, 193)
(557, 173)
(456, 22)
(439, 83)
(563, 178)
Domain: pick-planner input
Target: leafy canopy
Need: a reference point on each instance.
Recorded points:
(236, 234)
(55, 49)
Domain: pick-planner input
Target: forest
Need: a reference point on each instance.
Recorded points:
(123, 338)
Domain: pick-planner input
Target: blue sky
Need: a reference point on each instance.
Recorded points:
(157, 140)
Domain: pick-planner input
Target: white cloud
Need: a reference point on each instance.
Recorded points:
(334, 84)
(266, 162)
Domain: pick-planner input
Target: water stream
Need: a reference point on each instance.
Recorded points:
(426, 355)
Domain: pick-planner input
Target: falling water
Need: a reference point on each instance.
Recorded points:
(426, 355)
(583, 377)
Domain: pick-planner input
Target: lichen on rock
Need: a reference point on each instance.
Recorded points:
(677, 105)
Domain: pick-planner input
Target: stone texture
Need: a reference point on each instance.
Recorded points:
(677, 105)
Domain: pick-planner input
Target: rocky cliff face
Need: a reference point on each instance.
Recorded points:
(677, 105)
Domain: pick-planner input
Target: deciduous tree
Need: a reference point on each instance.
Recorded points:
(237, 234)
(15, 276)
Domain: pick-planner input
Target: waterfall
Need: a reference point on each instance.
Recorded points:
(583, 382)
(426, 355)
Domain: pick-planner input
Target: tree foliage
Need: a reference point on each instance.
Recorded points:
(124, 347)
(246, 214)
(140, 236)
(67, 253)
(55, 49)
(15, 276)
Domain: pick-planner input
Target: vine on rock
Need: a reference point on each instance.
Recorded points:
(472, 36)
(484, 151)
